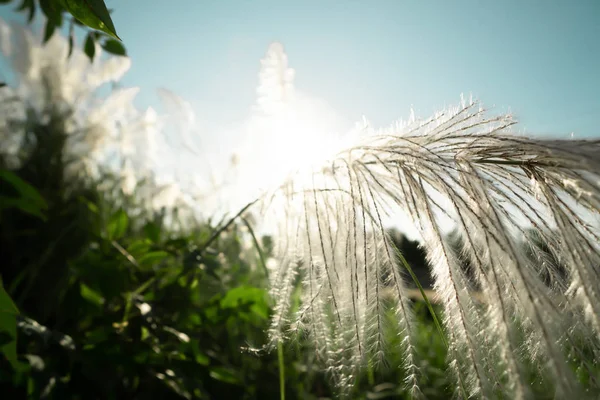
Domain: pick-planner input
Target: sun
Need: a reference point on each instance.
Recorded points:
(287, 131)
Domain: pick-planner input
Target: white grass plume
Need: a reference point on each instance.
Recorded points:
(497, 187)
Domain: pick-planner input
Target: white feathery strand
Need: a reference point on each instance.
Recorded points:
(498, 310)
(404, 315)
(450, 285)
(585, 282)
(526, 285)
(324, 253)
(354, 273)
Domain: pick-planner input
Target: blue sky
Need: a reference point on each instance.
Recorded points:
(540, 59)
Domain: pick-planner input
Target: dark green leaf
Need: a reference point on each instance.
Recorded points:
(29, 200)
(202, 359)
(152, 231)
(114, 47)
(8, 325)
(92, 13)
(30, 6)
(90, 205)
(89, 47)
(26, 4)
(71, 38)
(91, 295)
(144, 333)
(139, 247)
(178, 244)
(5, 338)
(144, 286)
(25, 190)
(49, 29)
(31, 13)
(152, 258)
(224, 375)
(117, 226)
(23, 205)
(52, 10)
(6, 303)
(247, 295)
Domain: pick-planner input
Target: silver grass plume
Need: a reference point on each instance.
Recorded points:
(464, 166)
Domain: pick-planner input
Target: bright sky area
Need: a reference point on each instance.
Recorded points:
(539, 59)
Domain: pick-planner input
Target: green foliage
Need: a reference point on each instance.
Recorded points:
(114, 47)
(145, 317)
(27, 198)
(92, 13)
(8, 327)
(88, 14)
(117, 225)
(89, 48)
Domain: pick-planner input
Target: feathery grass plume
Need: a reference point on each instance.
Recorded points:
(53, 112)
(49, 87)
(496, 187)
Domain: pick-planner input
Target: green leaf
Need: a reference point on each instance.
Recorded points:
(28, 5)
(144, 286)
(247, 295)
(92, 13)
(71, 39)
(6, 303)
(89, 47)
(117, 226)
(423, 294)
(25, 5)
(5, 338)
(29, 200)
(31, 13)
(25, 189)
(139, 247)
(21, 204)
(52, 10)
(152, 258)
(49, 29)
(152, 231)
(224, 375)
(8, 326)
(202, 359)
(259, 250)
(114, 47)
(90, 206)
(144, 333)
(91, 295)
